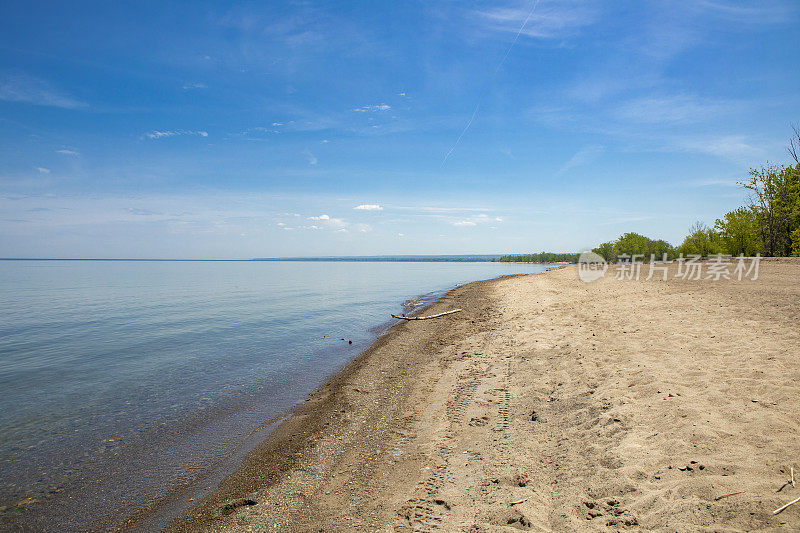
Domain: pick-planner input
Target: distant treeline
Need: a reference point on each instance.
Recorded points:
(768, 224)
(541, 257)
(631, 244)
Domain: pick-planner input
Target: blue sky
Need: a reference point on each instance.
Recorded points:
(221, 130)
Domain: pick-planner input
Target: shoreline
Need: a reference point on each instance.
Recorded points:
(283, 436)
(546, 403)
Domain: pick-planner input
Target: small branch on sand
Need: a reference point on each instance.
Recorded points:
(780, 509)
(404, 317)
(718, 498)
(790, 472)
(523, 500)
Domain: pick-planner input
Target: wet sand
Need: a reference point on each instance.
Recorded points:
(547, 404)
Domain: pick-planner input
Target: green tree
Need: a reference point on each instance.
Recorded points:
(630, 244)
(605, 250)
(774, 200)
(636, 244)
(738, 231)
(702, 240)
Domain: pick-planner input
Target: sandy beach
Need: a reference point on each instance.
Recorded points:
(548, 404)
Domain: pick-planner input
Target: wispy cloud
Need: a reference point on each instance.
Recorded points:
(584, 156)
(43, 170)
(311, 158)
(190, 86)
(439, 209)
(160, 134)
(624, 220)
(738, 148)
(29, 90)
(369, 207)
(335, 224)
(67, 152)
(550, 20)
(142, 212)
(673, 109)
(481, 218)
(373, 108)
(712, 182)
(772, 12)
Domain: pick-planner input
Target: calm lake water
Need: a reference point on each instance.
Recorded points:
(121, 380)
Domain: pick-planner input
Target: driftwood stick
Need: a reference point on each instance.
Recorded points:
(792, 475)
(779, 509)
(523, 500)
(404, 317)
(718, 498)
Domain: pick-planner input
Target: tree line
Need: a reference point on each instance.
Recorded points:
(542, 257)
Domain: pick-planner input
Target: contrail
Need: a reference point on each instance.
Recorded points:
(496, 70)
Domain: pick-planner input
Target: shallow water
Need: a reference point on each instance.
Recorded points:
(122, 379)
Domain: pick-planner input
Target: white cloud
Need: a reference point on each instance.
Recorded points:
(311, 158)
(373, 108)
(158, 134)
(369, 207)
(67, 152)
(475, 220)
(43, 170)
(189, 86)
(23, 88)
(327, 221)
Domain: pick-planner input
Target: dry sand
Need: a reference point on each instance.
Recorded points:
(548, 404)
